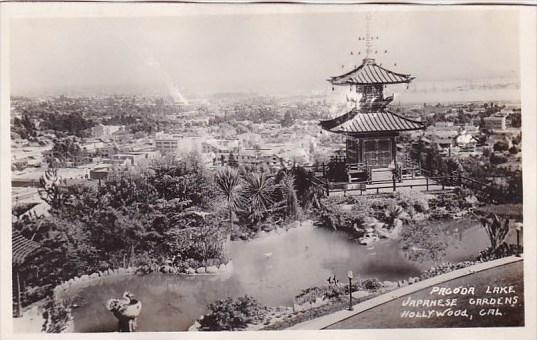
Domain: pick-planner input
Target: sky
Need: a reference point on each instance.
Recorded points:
(285, 53)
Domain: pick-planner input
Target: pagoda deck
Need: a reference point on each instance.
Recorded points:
(418, 183)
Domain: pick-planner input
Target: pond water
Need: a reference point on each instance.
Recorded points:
(272, 268)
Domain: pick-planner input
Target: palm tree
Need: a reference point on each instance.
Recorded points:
(394, 214)
(228, 182)
(496, 230)
(259, 192)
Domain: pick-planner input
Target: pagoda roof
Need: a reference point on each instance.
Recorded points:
(355, 122)
(370, 73)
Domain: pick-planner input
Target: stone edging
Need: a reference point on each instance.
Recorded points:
(328, 320)
(84, 281)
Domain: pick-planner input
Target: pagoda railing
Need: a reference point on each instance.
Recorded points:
(428, 182)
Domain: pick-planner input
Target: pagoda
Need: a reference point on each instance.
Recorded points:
(370, 128)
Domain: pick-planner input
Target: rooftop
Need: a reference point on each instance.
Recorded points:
(356, 122)
(370, 73)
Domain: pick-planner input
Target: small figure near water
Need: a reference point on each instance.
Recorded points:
(126, 310)
(332, 280)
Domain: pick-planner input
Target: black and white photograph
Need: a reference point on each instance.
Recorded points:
(268, 167)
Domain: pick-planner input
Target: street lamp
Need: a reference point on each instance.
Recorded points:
(518, 228)
(349, 276)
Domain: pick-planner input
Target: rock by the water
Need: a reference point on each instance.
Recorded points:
(212, 269)
(267, 227)
(200, 270)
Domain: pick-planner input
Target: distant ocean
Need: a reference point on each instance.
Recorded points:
(510, 95)
(461, 91)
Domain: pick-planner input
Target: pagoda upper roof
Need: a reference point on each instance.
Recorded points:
(370, 73)
(356, 122)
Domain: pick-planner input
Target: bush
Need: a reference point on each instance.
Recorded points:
(444, 268)
(233, 314)
(310, 295)
(32, 294)
(497, 159)
(416, 202)
(57, 317)
(500, 146)
(371, 284)
(331, 215)
(503, 250)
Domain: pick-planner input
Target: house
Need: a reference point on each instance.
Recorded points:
(466, 141)
(135, 157)
(495, 123)
(101, 130)
(174, 144)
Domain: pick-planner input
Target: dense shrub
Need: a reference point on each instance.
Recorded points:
(443, 268)
(503, 250)
(57, 317)
(32, 294)
(413, 203)
(233, 314)
(310, 295)
(332, 215)
(371, 284)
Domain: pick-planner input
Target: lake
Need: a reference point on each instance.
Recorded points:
(272, 268)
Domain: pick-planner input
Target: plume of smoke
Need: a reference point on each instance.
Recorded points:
(172, 88)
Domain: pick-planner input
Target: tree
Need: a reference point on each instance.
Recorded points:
(259, 190)
(516, 120)
(497, 159)
(513, 150)
(228, 182)
(64, 150)
(184, 179)
(288, 119)
(308, 191)
(393, 216)
(496, 229)
(24, 126)
(51, 190)
(72, 123)
(287, 185)
(500, 146)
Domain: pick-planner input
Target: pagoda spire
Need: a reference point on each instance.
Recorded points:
(368, 39)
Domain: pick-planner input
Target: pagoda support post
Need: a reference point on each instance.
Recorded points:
(394, 151)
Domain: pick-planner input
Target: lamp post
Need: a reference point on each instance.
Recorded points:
(349, 276)
(518, 229)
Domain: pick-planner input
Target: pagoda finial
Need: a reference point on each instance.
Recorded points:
(368, 43)
(368, 40)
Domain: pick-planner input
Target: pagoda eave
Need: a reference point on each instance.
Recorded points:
(352, 82)
(355, 123)
(370, 73)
